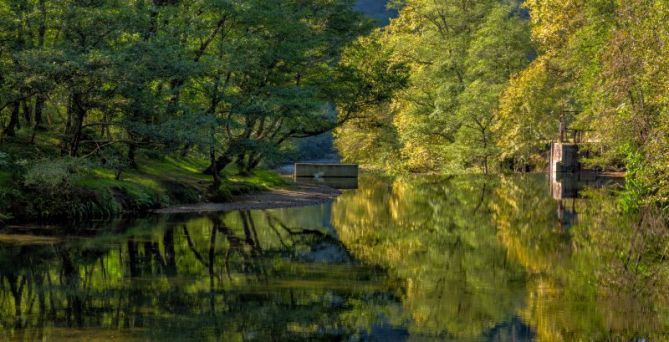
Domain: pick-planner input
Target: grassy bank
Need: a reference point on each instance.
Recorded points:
(97, 192)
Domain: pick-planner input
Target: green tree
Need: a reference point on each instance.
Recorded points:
(460, 55)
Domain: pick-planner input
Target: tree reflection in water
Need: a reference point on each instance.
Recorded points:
(437, 236)
(457, 258)
(240, 275)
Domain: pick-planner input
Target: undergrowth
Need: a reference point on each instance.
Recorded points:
(46, 190)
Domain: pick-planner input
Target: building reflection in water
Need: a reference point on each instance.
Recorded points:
(566, 189)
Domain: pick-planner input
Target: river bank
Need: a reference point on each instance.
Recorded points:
(99, 193)
(291, 195)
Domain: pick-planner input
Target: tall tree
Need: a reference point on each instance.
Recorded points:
(460, 55)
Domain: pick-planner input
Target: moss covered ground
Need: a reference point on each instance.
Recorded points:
(97, 192)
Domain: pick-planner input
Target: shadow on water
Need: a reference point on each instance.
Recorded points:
(443, 258)
(344, 183)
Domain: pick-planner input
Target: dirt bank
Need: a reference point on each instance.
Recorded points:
(296, 195)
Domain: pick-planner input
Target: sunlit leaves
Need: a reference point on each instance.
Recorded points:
(459, 54)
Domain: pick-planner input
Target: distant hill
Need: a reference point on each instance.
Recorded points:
(376, 9)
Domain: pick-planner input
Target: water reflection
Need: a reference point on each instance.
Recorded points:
(437, 237)
(334, 182)
(567, 188)
(459, 258)
(242, 275)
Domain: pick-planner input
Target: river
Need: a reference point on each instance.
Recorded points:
(460, 258)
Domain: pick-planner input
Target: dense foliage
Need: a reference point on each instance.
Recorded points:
(492, 81)
(461, 55)
(245, 76)
(108, 84)
(447, 86)
(602, 68)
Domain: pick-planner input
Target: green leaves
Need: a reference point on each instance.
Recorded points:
(231, 77)
(459, 57)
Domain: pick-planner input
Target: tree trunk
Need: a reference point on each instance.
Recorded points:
(186, 150)
(75, 120)
(68, 128)
(39, 110)
(26, 112)
(40, 99)
(212, 159)
(132, 151)
(10, 130)
(221, 162)
(79, 115)
(242, 164)
(249, 163)
(254, 162)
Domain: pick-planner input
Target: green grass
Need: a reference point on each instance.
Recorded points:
(157, 182)
(261, 178)
(169, 181)
(114, 196)
(233, 184)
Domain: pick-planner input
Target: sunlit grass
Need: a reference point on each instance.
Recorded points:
(103, 173)
(153, 183)
(103, 190)
(261, 178)
(143, 180)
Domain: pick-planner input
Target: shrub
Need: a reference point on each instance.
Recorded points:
(54, 174)
(4, 160)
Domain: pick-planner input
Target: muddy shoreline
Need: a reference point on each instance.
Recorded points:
(296, 195)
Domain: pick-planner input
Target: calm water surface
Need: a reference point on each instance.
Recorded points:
(508, 258)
